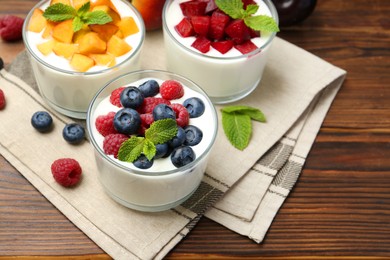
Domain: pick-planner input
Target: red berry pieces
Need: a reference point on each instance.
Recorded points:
(112, 143)
(11, 28)
(115, 97)
(192, 8)
(66, 171)
(146, 121)
(246, 47)
(182, 115)
(238, 31)
(218, 23)
(171, 89)
(201, 24)
(105, 124)
(202, 44)
(185, 28)
(222, 46)
(149, 104)
(2, 99)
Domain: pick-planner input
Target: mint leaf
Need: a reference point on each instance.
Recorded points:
(149, 149)
(233, 8)
(261, 23)
(254, 113)
(237, 128)
(84, 9)
(96, 17)
(251, 9)
(59, 12)
(161, 131)
(131, 149)
(77, 24)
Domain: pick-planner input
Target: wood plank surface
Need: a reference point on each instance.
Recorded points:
(340, 206)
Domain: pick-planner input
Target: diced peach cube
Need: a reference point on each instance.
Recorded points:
(65, 2)
(63, 31)
(117, 46)
(119, 33)
(91, 43)
(128, 26)
(114, 15)
(47, 32)
(81, 62)
(65, 50)
(46, 47)
(79, 3)
(103, 2)
(105, 31)
(104, 59)
(78, 35)
(37, 21)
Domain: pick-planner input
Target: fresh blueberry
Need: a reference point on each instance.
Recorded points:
(142, 162)
(42, 121)
(163, 111)
(73, 133)
(182, 155)
(127, 121)
(193, 135)
(178, 139)
(195, 106)
(161, 150)
(149, 88)
(131, 97)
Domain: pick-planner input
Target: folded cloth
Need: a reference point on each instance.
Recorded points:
(295, 94)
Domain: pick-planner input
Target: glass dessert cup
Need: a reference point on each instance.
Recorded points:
(225, 79)
(68, 91)
(150, 190)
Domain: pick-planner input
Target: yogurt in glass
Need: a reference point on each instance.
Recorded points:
(69, 91)
(225, 77)
(162, 186)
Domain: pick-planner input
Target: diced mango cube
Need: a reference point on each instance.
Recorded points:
(91, 43)
(78, 35)
(65, 50)
(114, 15)
(81, 62)
(117, 46)
(47, 32)
(46, 47)
(128, 26)
(105, 31)
(63, 31)
(104, 59)
(119, 33)
(37, 21)
(103, 2)
(65, 2)
(79, 3)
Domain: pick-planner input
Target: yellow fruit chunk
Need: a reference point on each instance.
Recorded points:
(117, 46)
(65, 50)
(119, 33)
(65, 2)
(37, 21)
(103, 2)
(114, 15)
(63, 32)
(81, 62)
(47, 33)
(105, 31)
(128, 26)
(80, 33)
(79, 3)
(46, 47)
(104, 59)
(91, 43)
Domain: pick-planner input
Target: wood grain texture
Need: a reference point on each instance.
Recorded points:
(340, 206)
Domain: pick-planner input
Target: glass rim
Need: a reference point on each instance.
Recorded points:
(274, 14)
(140, 172)
(70, 72)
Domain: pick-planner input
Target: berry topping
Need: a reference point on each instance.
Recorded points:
(115, 97)
(238, 31)
(127, 121)
(185, 28)
(146, 121)
(42, 121)
(182, 116)
(222, 46)
(112, 143)
(2, 99)
(195, 107)
(192, 8)
(202, 44)
(105, 124)
(73, 133)
(246, 47)
(11, 28)
(218, 22)
(66, 171)
(182, 156)
(161, 150)
(193, 135)
(163, 111)
(149, 104)
(171, 89)
(149, 88)
(142, 162)
(201, 24)
(179, 139)
(131, 97)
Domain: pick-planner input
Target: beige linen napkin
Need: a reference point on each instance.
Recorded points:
(295, 94)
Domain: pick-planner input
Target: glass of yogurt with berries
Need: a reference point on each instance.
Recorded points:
(76, 45)
(152, 132)
(222, 45)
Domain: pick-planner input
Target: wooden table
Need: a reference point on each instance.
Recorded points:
(339, 208)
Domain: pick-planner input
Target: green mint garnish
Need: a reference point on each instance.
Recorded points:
(237, 125)
(235, 9)
(160, 131)
(60, 12)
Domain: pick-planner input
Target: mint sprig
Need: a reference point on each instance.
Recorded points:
(237, 125)
(159, 132)
(235, 9)
(60, 12)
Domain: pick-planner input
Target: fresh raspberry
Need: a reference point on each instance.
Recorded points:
(2, 99)
(105, 124)
(112, 143)
(66, 171)
(149, 104)
(11, 28)
(146, 121)
(115, 97)
(171, 89)
(182, 116)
